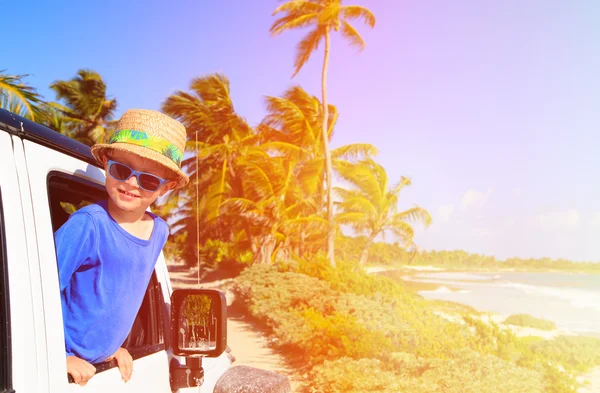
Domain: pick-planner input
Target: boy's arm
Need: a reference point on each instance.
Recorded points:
(75, 243)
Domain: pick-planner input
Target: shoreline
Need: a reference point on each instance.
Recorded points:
(417, 286)
(430, 268)
(590, 380)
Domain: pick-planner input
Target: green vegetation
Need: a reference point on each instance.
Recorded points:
(395, 255)
(324, 17)
(578, 353)
(18, 97)
(362, 333)
(83, 111)
(371, 207)
(527, 320)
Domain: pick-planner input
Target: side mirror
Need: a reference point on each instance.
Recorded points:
(198, 322)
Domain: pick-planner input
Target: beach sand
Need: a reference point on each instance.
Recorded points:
(379, 269)
(593, 381)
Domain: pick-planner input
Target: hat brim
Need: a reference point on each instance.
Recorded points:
(182, 179)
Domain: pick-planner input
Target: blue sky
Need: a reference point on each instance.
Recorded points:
(490, 107)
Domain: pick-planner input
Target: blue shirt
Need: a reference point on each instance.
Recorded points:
(104, 272)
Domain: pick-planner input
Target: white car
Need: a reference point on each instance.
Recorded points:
(43, 177)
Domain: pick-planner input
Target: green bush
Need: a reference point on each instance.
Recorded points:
(216, 252)
(340, 331)
(527, 320)
(346, 375)
(349, 277)
(472, 372)
(466, 372)
(577, 353)
(309, 317)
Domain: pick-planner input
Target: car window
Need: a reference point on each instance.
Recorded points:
(147, 333)
(5, 342)
(68, 194)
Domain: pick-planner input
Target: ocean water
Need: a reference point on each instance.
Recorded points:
(572, 301)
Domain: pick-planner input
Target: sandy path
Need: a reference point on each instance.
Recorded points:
(593, 379)
(248, 343)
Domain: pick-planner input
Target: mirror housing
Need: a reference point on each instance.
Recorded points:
(198, 322)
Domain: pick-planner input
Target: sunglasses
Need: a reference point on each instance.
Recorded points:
(146, 181)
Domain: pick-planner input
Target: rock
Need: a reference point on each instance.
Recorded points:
(244, 379)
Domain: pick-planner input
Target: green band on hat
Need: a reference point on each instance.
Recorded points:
(140, 138)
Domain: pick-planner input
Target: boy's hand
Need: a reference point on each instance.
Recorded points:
(124, 361)
(80, 370)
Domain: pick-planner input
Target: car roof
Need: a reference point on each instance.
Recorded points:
(32, 131)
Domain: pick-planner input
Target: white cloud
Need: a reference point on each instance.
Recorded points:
(474, 198)
(558, 219)
(445, 212)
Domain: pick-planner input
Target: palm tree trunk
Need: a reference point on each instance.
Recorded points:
(301, 245)
(331, 229)
(364, 255)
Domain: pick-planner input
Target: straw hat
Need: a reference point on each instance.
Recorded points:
(151, 135)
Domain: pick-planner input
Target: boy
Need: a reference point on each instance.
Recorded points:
(107, 251)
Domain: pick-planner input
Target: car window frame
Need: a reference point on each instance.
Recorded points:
(6, 383)
(57, 180)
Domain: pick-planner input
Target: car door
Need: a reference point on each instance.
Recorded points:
(59, 185)
(20, 369)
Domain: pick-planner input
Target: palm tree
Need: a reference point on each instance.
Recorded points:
(19, 98)
(217, 136)
(226, 154)
(295, 118)
(275, 217)
(324, 16)
(371, 207)
(87, 110)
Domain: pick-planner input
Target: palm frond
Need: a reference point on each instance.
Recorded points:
(344, 193)
(350, 218)
(415, 214)
(298, 7)
(293, 22)
(18, 97)
(257, 183)
(352, 35)
(354, 151)
(358, 204)
(402, 230)
(362, 176)
(238, 205)
(332, 119)
(287, 149)
(311, 223)
(208, 111)
(307, 46)
(310, 175)
(358, 12)
(84, 95)
(294, 117)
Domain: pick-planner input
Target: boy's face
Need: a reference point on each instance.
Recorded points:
(128, 195)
